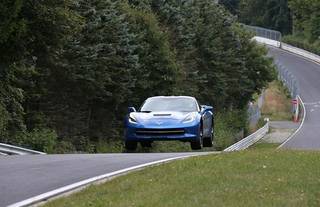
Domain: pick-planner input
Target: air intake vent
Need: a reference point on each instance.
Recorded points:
(161, 114)
(159, 131)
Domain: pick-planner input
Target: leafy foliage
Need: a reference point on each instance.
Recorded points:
(71, 67)
(272, 14)
(306, 19)
(231, 5)
(214, 53)
(306, 24)
(120, 56)
(32, 33)
(39, 139)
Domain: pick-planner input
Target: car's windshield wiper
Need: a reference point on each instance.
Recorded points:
(146, 111)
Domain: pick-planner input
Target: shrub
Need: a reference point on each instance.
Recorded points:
(64, 147)
(227, 125)
(38, 139)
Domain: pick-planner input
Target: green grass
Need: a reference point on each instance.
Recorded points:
(264, 177)
(264, 145)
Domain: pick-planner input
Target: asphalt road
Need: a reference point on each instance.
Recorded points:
(22, 177)
(308, 75)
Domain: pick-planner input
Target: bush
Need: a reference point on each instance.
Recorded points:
(63, 147)
(227, 125)
(44, 140)
(3, 122)
(109, 146)
(83, 144)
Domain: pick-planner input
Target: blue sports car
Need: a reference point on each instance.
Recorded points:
(169, 118)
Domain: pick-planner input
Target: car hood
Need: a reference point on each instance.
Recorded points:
(162, 119)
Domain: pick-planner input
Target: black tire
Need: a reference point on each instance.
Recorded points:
(208, 141)
(197, 145)
(130, 145)
(146, 144)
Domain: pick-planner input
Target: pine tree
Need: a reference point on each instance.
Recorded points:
(120, 57)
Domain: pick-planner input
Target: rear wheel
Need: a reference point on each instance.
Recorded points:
(130, 145)
(197, 145)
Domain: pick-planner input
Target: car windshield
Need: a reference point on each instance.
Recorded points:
(169, 104)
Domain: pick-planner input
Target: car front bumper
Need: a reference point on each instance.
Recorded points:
(190, 133)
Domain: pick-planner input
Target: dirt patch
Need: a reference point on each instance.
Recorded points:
(280, 131)
(277, 135)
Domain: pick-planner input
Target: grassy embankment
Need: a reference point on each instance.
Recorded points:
(261, 176)
(277, 103)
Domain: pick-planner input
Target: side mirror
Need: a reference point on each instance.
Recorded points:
(206, 108)
(131, 109)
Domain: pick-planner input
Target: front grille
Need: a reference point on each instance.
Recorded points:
(159, 131)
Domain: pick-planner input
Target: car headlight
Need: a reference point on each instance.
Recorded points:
(189, 118)
(132, 119)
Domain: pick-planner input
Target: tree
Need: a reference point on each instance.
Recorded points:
(231, 5)
(272, 14)
(71, 67)
(306, 18)
(214, 53)
(31, 34)
(120, 57)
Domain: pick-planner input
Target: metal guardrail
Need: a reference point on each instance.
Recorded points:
(6, 149)
(266, 33)
(301, 52)
(249, 140)
(3, 153)
(288, 79)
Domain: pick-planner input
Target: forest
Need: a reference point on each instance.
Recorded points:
(70, 68)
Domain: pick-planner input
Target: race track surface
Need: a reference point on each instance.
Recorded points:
(308, 75)
(22, 177)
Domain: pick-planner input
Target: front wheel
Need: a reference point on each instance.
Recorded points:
(130, 145)
(197, 145)
(208, 141)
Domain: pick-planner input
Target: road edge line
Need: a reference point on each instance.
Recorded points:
(300, 127)
(100, 178)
